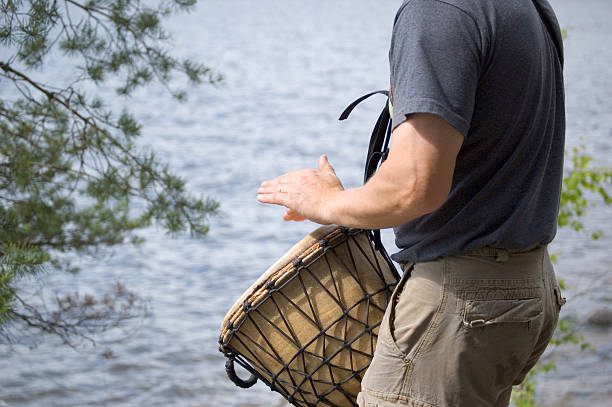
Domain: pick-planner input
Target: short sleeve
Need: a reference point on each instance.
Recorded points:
(435, 57)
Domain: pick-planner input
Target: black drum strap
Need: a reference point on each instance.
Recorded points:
(380, 138)
(377, 154)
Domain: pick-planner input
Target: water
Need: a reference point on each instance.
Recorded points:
(290, 68)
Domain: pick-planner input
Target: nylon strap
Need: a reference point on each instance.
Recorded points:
(380, 138)
(378, 150)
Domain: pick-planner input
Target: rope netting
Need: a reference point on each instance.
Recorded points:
(312, 334)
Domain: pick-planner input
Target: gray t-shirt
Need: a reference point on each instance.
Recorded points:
(490, 69)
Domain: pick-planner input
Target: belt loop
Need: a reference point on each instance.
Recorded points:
(502, 255)
(407, 267)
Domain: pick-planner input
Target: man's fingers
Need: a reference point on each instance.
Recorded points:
(292, 215)
(268, 189)
(324, 165)
(273, 186)
(299, 189)
(276, 198)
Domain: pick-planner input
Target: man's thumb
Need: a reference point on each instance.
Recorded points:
(324, 165)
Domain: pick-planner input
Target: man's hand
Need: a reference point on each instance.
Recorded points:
(304, 192)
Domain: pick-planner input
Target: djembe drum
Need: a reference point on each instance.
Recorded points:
(308, 327)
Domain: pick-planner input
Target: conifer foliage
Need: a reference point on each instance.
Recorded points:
(71, 176)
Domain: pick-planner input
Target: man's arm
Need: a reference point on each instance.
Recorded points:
(414, 180)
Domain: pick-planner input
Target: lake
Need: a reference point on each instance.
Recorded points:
(290, 68)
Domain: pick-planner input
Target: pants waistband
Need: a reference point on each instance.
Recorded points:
(492, 251)
(501, 255)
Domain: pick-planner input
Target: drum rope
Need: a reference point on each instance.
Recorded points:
(295, 390)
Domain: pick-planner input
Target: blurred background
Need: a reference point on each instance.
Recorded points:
(290, 68)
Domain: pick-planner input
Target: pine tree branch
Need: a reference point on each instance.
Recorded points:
(88, 121)
(73, 314)
(92, 9)
(50, 95)
(57, 146)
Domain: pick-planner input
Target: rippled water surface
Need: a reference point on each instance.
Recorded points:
(290, 68)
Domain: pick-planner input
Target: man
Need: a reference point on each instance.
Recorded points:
(471, 185)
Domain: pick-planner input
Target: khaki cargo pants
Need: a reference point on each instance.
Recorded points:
(461, 330)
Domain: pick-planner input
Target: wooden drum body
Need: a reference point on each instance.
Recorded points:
(308, 326)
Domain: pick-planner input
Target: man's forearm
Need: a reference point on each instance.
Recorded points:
(378, 204)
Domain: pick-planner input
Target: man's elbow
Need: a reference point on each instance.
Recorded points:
(433, 203)
(421, 203)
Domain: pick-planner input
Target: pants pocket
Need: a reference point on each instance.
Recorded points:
(479, 313)
(387, 371)
(559, 296)
(413, 313)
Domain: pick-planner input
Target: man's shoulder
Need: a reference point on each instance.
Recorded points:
(491, 17)
(441, 14)
(477, 10)
(467, 6)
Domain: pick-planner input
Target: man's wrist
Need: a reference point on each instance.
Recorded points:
(333, 207)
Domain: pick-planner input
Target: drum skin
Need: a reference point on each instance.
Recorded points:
(308, 326)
